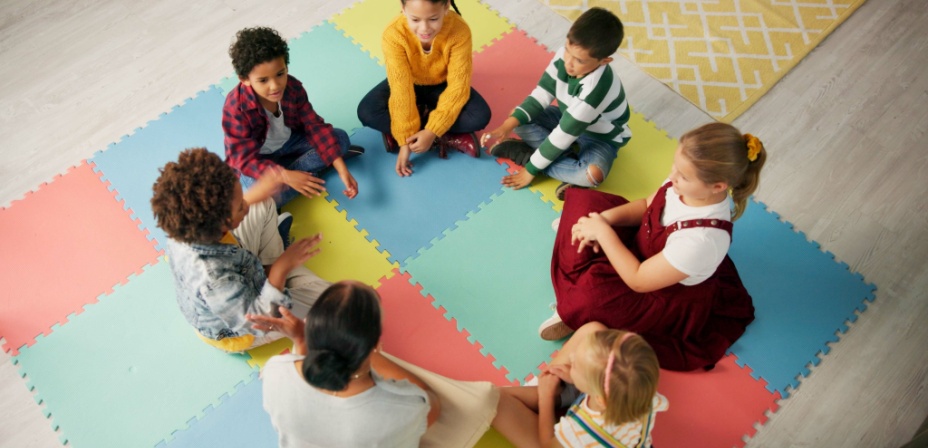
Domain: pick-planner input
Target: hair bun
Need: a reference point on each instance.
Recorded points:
(326, 369)
(327, 359)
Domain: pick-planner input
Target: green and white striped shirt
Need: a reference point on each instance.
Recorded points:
(594, 104)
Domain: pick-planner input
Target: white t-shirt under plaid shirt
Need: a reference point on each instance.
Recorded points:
(584, 427)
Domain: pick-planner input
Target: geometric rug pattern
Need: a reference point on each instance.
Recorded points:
(463, 270)
(722, 55)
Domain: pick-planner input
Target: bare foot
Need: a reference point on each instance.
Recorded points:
(403, 165)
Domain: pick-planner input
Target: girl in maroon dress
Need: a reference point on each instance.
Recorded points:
(659, 266)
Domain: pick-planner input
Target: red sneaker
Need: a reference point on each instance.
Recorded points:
(466, 143)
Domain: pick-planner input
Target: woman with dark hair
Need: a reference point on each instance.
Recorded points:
(338, 388)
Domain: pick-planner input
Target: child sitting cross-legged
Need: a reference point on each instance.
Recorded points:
(577, 140)
(427, 99)
(659, 266)
(609, 380)
(269, 123)
(225, 251)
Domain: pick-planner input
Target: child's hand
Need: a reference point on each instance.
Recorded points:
(520, 179)
(587, 230)
(403, 165)
(421, 141)
(301, 250)
(295, 255)
(499, 133)
(549, 385)
(562, 371)
(303, 182)
(287, 323)
(351, 185)
(267, 185)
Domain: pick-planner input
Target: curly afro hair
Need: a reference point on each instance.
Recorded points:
(254, 46)
(193, 197)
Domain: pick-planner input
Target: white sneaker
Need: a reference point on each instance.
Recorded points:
(554, 328)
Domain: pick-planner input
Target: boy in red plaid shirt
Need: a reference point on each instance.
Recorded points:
(269, 123)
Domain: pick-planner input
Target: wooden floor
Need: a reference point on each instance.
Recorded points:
(845, 130)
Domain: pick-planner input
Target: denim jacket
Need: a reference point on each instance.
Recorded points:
(217, 284)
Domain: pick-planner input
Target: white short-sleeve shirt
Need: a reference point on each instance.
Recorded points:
(390, 414)
(696, 252)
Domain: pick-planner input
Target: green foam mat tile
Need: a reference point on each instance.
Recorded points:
(492, 274)
(129, 370)
(335, 73)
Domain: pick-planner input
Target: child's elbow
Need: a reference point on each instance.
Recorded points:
(640, 287)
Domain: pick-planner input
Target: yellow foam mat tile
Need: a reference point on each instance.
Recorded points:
(638, 170)
(345, 252)
(260, 355)
(493, 439)
(352, 257)
(365, 21)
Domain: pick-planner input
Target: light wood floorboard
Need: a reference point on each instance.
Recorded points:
(845, 130)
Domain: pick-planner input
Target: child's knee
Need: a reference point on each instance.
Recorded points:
(594, 175)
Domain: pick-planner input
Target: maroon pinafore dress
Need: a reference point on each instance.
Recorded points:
(689, 327)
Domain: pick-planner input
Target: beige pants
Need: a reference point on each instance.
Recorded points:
(258, 234)
(467, 408)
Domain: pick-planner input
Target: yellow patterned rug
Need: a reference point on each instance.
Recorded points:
(722, 55)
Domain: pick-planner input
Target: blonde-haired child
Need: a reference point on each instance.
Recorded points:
(615, 373)
(659, 266)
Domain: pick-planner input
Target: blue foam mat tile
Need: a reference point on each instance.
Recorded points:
(405, 214)
(239, 420)
(803, 299)
(131, 165)
(500, 291)
(137, 371)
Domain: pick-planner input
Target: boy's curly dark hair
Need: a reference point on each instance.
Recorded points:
(598, 31)
(193, 197)
(255, 46)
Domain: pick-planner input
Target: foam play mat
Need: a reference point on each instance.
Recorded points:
(721, 55)
(462, 266)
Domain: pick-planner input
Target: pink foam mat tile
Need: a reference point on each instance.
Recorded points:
(717, 408)
(64, 245)
(417, 332)
(503, 79)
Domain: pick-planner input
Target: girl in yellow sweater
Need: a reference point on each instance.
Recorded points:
(426, 99)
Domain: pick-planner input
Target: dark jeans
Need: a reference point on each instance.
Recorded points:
(297, 154)
(374, 109)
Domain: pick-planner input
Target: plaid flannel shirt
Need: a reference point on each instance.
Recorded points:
(245, 126)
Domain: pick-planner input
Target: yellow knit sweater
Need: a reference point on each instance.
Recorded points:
(407, 64)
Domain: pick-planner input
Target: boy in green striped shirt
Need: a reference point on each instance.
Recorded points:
(577, 140)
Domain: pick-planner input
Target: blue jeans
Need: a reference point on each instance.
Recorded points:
(374, 112)
(570, 167)
(298, 155)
